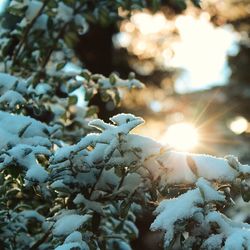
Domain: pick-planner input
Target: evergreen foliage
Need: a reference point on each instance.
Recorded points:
(71, 181)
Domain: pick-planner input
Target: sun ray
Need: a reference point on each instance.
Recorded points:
(207, 105)
(216, 116)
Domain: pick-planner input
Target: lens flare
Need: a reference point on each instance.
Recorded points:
(181, 136)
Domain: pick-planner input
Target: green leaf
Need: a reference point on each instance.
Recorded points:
(72, 100)
(14, 171)
(92, 110)
(119, 171)
(116, 98)
(71, 38)
(59, 66)
(196, 3)
(22, 130)
(178, 5)
(124, 209)
(90, 17)
(245, 191)
(112, 78)
(72, 87)
(155, 5)
(105, 95)
(104, 16)
(89, 93)
(12, 192)
(27, 151)
(17, 9)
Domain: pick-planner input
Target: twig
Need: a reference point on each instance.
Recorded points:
(40, 241)
(98, 178)
(60, 35)
(27, 30)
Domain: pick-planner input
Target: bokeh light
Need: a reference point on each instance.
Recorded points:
(239, 125)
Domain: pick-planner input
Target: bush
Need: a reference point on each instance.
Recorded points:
(71, 181)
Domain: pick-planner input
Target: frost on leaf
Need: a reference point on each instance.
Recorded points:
(33, 9)
(184, 168)
(8, 82)
(92, 205)
(235, 235)
(11, 98)
(106, 156)
(74, 240)
(170, 212)
(22, 139)
(67, 224)
(208, 192)
(73, 245)
(173, 214)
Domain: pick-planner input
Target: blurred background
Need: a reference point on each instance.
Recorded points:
(195, 66)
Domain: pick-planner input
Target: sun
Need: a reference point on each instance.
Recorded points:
(181, 136)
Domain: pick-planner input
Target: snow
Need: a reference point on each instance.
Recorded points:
(58, 184)
(15, 123)
(129, 83)
(232, 235)
(63, 153)
(169, 211)
(33, 9)
(64, 12)
(93, 205)
(125, 118)
(22, 138)
(237, 234)
(208, 192)
(131, 182)
(73, 245)
(73, 237)
(106, 143)
(182, 167)
(108, 180)
(242, 206)
(12, 98)
(41, 23)
(100, 125)
(69, 223)
(213, 242)
(176, 167)
(214, 168)
(32, 214)
(42, 89)
(37, 173)
(8, 82)
(83, 26)
(74, 240)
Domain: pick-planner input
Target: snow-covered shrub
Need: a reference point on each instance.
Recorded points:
(71, 181)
